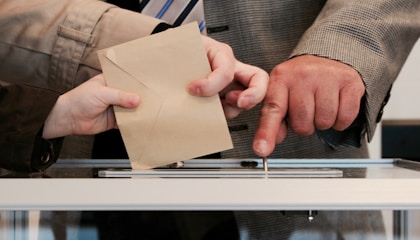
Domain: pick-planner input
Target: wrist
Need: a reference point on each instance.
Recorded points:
(57, 123)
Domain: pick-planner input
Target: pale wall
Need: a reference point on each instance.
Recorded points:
(405, 98)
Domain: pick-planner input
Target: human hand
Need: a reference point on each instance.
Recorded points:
(86, 109)
(307, 93)
(240, 86)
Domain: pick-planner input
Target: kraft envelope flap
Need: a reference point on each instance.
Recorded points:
(118, 78)
(170, 125)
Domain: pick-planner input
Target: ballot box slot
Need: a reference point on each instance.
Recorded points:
(224, 173)
(227, 168)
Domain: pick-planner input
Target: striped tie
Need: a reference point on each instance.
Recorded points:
(175, 12)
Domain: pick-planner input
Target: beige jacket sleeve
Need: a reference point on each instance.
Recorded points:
(53, 43)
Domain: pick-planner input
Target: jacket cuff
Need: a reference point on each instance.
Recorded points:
(45, 152)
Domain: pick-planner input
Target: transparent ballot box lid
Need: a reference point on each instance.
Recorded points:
(307, 198)
(222, 184)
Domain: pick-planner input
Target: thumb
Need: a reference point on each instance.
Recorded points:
(121, 98)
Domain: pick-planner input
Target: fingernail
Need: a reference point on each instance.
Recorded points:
(194, 90)
(245, 101)
(134, 100)
(261, 146)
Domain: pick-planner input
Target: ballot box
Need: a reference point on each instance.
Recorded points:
(307, 188)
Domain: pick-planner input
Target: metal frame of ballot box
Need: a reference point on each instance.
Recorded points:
(222, 184)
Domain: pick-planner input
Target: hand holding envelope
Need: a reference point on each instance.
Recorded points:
(170, 125)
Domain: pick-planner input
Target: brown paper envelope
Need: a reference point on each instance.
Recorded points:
(170, 125)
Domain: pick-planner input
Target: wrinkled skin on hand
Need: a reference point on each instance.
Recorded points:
(307, 93)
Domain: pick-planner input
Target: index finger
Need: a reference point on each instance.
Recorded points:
(273, 112)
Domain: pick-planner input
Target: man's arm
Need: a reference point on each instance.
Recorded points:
(34, 120)
(58, 40)
(367, 39)
(373, 37)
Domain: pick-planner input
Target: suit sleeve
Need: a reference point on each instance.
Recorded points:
(23, 112)
(374, 37)
(60, 38)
